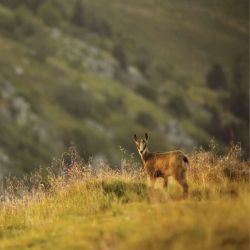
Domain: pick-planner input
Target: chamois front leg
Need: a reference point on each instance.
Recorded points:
(165, 184)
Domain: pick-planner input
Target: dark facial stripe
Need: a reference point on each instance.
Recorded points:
(143, 149)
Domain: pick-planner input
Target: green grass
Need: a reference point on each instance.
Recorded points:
(137, 226)
(80, 209)
(178, 41)
(40, 83)
(106, 219)
(189, 35)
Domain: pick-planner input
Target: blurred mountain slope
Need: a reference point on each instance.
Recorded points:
(94, 73)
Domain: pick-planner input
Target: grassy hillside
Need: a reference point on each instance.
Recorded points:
(106, 209)
(92, 74)
(187, 35)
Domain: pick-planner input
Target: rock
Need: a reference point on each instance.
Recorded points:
(134, 77)
(7, 90)
(99, 161)
(55, 33)
(18, 109)
(99, 62)
(176, 135)
(21, 110)
(4, 162)
(18, 70)
(99, 127)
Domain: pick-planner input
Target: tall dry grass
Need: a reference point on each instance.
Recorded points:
(72, 186)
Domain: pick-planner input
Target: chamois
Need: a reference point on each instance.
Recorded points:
(173, 163)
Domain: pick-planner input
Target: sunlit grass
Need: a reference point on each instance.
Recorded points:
(73, 205)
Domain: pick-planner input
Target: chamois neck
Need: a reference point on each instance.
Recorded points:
(145, 155)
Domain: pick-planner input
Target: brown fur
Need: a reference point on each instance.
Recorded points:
(173, 163)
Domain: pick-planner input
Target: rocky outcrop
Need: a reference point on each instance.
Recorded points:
(176, 135)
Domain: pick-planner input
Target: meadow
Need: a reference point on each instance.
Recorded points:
(92, 73)
(73, 205)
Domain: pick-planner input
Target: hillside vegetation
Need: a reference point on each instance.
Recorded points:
(78, 207)
(92, 73)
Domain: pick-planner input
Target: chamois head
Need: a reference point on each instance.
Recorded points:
(141, 144)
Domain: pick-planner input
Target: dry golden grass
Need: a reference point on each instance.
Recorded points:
(71, 205)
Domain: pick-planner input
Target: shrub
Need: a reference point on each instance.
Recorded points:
(216, 78)
(83, 141)
(10, 4)
(148, 92)
(31, 4)
(120, 56)
(89, 140)
(178, 106)
(146, 120)
(42, 45)
(26, 24)
(162, 71)
(7, 21)
(239, 96)
(49, 14)
(75, 101)
(78, 16)
(143, 61)
(116, 103)
(99, 26)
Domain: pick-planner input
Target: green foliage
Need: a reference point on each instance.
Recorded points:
(49, 14)
(78, 16)
(43, 46)
(147, 91)
(10, 4)
(26, 148)
(120, 56)
(7, 21)
(123, 191)
(143, 61)
(234, 99)
(83, 18)
(99, 26)
(216, 78)
(75, 101)
(239, 97)
(25, 24)
(116, 103)
(146, 120)
(178, 106)
(31, 4)
(86, 140)
(43, 64)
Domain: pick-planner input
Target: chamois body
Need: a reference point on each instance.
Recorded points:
(173, 163)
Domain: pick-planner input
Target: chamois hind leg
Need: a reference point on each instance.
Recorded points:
(182, 180)
(165, 184)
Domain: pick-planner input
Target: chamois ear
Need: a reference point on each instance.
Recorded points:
(135, 138)
(146, 136)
